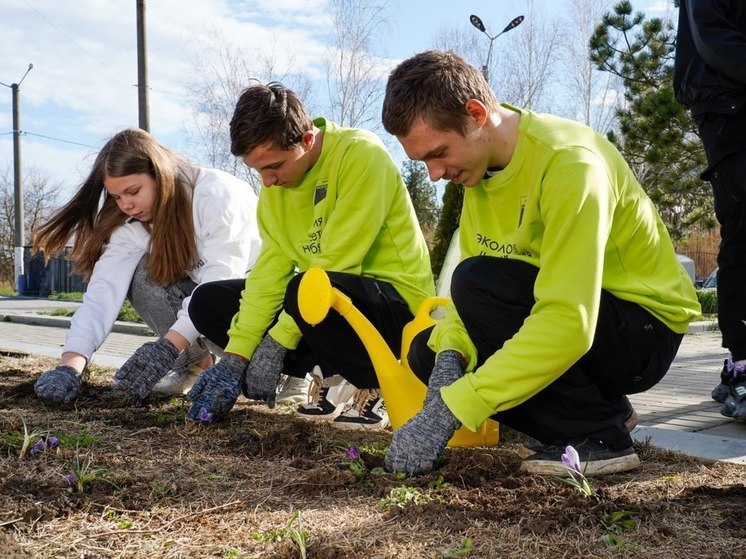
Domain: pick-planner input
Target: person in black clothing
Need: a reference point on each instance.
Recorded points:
(710, 79)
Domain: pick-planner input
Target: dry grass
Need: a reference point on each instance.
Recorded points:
(245, 486)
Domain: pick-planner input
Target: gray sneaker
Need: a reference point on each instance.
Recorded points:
(720, 393)
(182, 377)
(731, 391)
(735, 404)
(178, 382)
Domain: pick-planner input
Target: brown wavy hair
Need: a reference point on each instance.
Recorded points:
(433, 85)
(268, 113)
(172, 245)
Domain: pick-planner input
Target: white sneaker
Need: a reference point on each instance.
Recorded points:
(367, 411)
(293, 390)
(326, 396)
(178, 382)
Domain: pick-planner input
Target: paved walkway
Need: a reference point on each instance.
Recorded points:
(23, 327)
(677, 414)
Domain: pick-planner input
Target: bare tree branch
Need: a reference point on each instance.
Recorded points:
(355, 76)
(40, 196)
(221, 72)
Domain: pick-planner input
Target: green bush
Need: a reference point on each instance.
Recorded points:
(72, 296)
(708, 299)
(8, 290)
(128, 313)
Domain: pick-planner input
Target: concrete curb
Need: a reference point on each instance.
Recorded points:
(120, 327)
(704, 326)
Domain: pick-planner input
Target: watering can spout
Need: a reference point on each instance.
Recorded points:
(402, 391)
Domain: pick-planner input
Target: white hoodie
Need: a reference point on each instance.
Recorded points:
(224, 214)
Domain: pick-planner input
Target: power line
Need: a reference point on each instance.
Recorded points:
(57, 139)
(65, 35)
(24, 133)
(172, 93)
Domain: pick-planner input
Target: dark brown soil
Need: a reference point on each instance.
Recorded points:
(253, 484)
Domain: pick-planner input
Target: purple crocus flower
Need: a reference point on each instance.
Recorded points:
(352, 453)
(205, 416)
(44, 444)
(70, 480)
(571, 459)
(40, 446)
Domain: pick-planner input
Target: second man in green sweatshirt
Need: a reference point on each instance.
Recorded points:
(332, 198)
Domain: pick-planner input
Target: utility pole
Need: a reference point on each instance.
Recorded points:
(18, 237)
(142, 69)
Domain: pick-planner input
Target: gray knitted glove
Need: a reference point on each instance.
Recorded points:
(61, 384)
(217, 388)
(448, 369)
(417, 444)
(149, 364)
(263, 375)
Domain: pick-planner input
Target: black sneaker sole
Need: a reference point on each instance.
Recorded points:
(605, 466)
(529, 449)
(346, 423)
(326, 412)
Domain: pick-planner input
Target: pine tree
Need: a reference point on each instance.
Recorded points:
(423, 194)
(450, 214)
(656, 134)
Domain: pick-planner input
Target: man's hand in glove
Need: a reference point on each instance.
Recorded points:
(265, 368)
(417, 444)
(61, 384)
(149, 364)
(217, 388)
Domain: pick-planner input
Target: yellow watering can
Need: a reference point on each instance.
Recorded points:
(402, 391)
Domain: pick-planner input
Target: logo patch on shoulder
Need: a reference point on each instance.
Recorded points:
(319, 194)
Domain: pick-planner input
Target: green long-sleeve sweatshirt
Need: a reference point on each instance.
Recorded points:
(351, 213)
(570, 205)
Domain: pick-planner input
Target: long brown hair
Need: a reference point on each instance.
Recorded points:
(172, 245)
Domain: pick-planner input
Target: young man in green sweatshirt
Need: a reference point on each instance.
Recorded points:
(332, 198)
(569, 295)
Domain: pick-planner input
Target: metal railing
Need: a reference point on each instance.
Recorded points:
(56, 276)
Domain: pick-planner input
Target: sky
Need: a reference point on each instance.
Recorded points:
(82, 88)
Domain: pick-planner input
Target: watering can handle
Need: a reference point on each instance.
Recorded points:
(421, 321)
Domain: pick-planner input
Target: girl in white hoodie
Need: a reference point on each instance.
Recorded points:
(162, 228)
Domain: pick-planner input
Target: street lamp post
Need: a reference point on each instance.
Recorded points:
(477, 22)
(17, 181)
